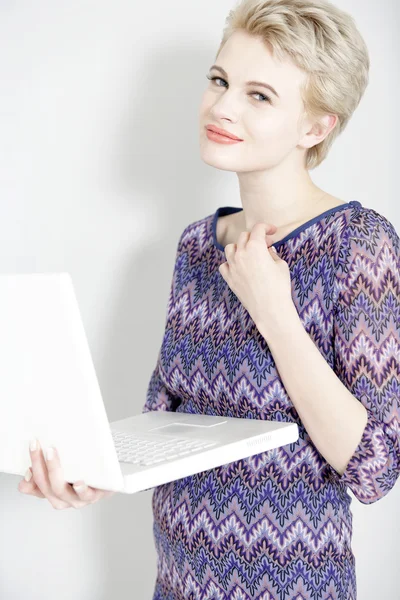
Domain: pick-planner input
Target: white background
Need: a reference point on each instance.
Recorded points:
(100, 173)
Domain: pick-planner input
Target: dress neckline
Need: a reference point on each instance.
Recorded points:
(227, 210)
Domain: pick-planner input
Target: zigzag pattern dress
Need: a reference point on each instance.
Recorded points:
(277, 525)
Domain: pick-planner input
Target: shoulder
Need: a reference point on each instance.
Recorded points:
(368, 258)
(369, 252)
(370, 227)
(196, 231)
(200, 223)
(200, 228)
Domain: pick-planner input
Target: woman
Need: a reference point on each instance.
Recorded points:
(310, 334)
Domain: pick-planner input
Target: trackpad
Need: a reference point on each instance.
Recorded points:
(180, 428)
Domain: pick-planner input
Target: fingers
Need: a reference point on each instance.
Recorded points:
(30, 487)
(48, 482)
(245, 235)
(42, 479)
(49, 479)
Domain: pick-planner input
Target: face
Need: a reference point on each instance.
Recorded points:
(267, 124)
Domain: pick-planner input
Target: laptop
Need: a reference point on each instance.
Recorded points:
(49, 391)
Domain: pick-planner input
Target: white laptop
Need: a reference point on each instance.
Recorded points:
(49, 391)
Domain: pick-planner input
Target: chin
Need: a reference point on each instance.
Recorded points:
(221, 164)
(219, 158)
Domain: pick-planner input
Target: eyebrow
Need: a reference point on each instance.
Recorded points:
(265, 85)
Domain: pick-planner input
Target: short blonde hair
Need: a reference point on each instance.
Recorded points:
(320, 39)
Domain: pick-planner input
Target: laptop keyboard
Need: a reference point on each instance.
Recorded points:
(144, 450)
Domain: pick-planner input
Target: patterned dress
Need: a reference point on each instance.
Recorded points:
(278, 525)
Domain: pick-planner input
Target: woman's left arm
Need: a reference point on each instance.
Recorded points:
(352, 412)
(333, 418)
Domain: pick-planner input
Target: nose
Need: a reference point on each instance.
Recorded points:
(224, 108)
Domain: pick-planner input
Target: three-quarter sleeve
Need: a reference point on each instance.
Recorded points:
(367, 349)
(158, 397)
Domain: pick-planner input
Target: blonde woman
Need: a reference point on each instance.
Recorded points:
(288, 309)
(285, 309)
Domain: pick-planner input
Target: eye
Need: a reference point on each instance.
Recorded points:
(265, 98)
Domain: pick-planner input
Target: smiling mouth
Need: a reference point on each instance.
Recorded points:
(222, 136)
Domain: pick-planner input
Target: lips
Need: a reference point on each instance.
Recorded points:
(223, 133)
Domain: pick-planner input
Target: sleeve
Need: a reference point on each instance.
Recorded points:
(367, 350)
(158, 397)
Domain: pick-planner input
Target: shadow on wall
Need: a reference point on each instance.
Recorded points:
(155, 162)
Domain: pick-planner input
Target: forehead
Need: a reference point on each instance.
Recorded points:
(246, 57)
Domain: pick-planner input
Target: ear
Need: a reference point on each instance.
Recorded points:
(320, 130)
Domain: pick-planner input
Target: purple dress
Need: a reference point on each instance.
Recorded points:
(278, 525)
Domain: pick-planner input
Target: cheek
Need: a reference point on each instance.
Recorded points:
(276, 133)
(273, 126)
(268, 141)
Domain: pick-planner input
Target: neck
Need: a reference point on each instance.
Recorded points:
(278, 198)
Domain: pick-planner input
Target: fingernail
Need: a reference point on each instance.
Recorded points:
(49, 453)
(32, 445)
(28, 475)
(79, 488)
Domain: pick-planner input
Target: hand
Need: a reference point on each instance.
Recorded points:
(47, 482)
(257, 275)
